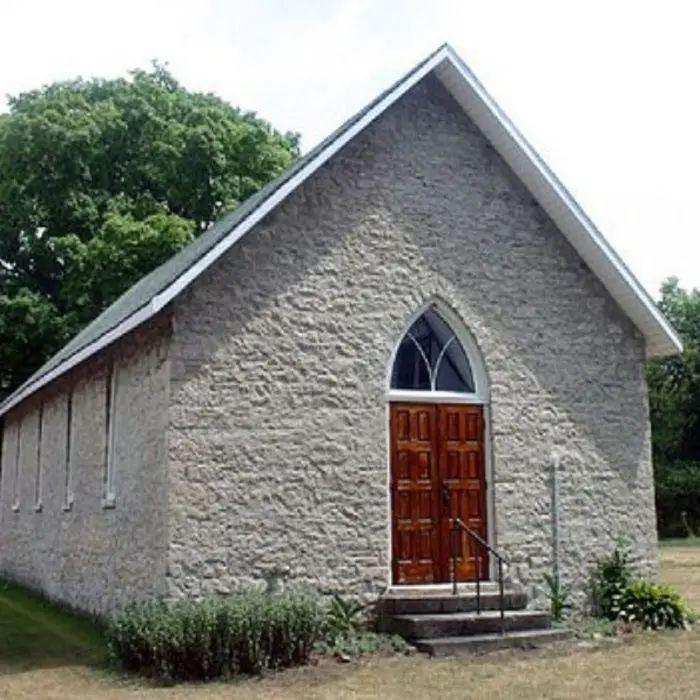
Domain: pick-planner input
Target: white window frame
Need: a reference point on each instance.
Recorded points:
(109, 498)
(16, 479)
(69, 497)
(480, 395)
(38, 484)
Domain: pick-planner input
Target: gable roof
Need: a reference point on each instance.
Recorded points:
(154, 291)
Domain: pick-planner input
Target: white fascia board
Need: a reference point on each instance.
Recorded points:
(573, 210)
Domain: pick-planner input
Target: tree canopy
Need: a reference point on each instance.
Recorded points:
(674, 383)
(674, 401)
(100, 182)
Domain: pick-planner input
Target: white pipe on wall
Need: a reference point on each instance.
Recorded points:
(555, 512)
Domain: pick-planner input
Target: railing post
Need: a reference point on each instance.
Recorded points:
(478, 585)
(456, 529)
(501, 595)
(454, 532)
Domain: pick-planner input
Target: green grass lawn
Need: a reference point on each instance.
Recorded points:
(681, 542)
(33, 633)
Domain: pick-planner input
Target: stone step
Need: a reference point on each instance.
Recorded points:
(462, 624)
(483, 643)
(426, 603)
(430, 589)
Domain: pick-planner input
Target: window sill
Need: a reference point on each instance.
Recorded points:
(109, 501)
(38, 507)
(15, 507)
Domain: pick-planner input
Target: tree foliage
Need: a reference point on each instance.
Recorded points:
(674, 383)
(100, 182)
(674, 399)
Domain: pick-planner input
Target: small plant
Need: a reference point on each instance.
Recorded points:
(343, 619)
(652, 606)
(611, 576)
(347, 633)
(361, 643)
(559, 596)
(599, 628)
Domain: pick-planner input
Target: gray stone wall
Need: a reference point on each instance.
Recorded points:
(86, 555)
(278, 439)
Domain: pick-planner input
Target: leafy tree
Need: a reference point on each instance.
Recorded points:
(674, 383)
(100, 182)
(674, 400)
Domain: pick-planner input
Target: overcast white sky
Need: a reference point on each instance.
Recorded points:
(606, 90)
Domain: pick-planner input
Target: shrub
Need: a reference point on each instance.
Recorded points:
(217, 638)
(611, 575)
(651, 605)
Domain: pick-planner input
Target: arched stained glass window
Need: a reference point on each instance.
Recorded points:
(431, 358)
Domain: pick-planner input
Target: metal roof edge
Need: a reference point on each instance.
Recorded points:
(572, 206)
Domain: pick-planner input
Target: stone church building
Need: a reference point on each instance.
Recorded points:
(415, 323)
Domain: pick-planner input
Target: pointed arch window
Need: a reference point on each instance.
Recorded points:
(431, 358)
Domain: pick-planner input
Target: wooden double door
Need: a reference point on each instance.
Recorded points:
(437, 473)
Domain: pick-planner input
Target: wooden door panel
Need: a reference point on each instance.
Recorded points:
(462, 473)
(414, 493)
(437, 450)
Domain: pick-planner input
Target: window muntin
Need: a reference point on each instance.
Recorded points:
(431, 358)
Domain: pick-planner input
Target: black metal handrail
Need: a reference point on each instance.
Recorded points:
(458, 527)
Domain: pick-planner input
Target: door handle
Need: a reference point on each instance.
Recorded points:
(445, 495)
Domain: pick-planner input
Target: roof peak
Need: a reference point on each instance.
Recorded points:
(150, 294)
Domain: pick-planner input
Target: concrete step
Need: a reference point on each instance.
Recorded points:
(461, 624)
(431, 589)
(434, 602)
(483, 643)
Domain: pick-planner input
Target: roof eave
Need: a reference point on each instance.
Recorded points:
(667, 345)
(661, 339)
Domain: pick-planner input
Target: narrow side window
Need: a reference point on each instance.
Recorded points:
(108, 495)
(3, 442)
(68, 491)
(39, 476)
(18, 460)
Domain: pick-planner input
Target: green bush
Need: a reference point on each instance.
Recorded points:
(611, 575)
(218, 638)
(651, 605)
